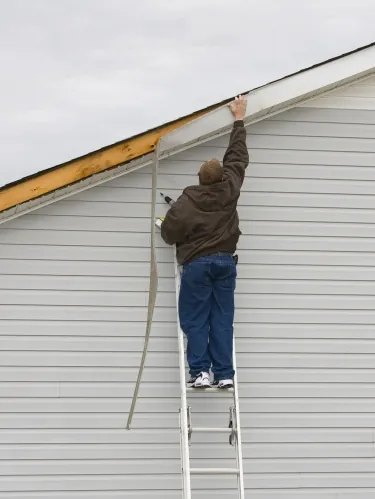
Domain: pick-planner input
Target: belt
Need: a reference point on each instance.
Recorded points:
(235, 257)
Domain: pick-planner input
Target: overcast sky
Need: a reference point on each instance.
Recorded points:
(80, 74)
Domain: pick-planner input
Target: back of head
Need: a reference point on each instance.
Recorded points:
(210, 172)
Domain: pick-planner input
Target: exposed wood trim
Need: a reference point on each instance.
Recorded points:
(91, 164)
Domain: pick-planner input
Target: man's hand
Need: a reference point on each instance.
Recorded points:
(238, 107)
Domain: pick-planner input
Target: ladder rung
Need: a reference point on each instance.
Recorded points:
(210, 390)
(212, 430)
(214, 471)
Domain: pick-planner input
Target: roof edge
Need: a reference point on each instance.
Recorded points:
(122, 152)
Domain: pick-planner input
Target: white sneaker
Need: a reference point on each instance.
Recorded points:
(223, 383)
(202, 380)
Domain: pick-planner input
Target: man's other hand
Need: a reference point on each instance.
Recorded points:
(238, 107)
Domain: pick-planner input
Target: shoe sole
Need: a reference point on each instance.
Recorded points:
(223, 387)
(200, 386)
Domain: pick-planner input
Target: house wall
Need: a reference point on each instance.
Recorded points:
(74, 281)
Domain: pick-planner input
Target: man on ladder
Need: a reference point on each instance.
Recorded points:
(203, 224)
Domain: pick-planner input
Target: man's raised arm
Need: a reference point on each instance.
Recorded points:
(236, 158)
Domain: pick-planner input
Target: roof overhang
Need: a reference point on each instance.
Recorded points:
(276, 97)
(134, 153)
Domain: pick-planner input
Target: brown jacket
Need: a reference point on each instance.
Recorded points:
(204, 219)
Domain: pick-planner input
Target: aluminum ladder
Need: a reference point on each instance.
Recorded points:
(186, 427)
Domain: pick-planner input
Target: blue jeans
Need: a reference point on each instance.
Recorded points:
(206, 312)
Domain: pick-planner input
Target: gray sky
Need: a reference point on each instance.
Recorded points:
(77, 75)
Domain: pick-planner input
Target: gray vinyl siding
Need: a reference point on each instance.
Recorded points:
(73, 305)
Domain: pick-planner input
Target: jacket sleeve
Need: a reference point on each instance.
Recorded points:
(236, 157)
(173, 228)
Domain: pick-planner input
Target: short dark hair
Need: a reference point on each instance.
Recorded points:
(210, 172)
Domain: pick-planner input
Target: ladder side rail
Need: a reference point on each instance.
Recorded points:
(240, 477)
(185, 459)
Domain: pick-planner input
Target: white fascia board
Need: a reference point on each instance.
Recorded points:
(275, 98)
